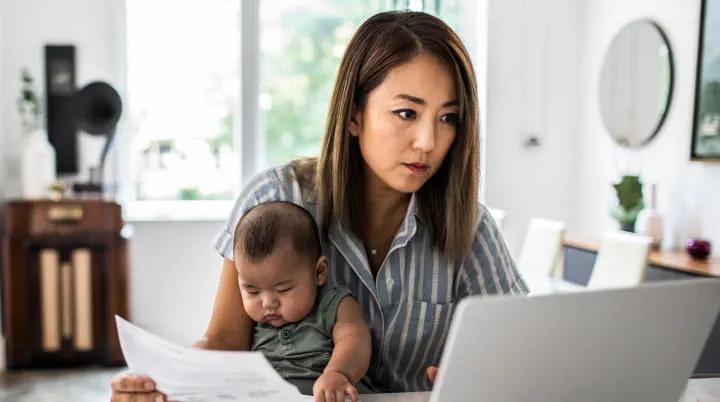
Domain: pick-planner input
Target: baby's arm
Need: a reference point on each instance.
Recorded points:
(351, 336)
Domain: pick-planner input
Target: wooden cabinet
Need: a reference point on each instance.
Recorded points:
(579, 259)
(64, 278)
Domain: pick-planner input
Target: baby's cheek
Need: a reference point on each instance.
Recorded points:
(298, 309)
(252, 308)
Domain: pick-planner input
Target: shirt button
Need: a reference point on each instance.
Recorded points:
(390, 281)
(285, 334)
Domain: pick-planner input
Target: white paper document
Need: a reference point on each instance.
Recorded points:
(189, 374)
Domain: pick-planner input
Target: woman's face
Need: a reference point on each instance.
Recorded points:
(408, 124)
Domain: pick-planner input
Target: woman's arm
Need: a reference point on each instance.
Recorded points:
(351, 336)
(230, 327)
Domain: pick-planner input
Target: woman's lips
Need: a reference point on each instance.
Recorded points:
(417, 168)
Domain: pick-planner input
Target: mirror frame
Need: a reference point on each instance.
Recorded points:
(671, 82)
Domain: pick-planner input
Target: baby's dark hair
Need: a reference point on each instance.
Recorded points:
(269, 225)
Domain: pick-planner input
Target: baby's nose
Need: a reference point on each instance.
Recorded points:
(270, 301)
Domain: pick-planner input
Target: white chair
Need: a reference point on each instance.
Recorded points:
(498, 216)
(622, 261)
(542, 247)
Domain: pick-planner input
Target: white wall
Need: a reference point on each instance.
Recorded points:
(2, 172)
(688, 193)
(2, 91)
(174, 273)
(533, 72)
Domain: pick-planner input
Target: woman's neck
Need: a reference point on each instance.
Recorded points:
(385, 209)
(383, 205)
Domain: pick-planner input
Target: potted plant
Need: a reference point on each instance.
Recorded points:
(38, 155)
(28, 103)
(629, 202)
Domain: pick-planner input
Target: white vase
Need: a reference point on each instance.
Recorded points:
(38, 165)
(649, 221)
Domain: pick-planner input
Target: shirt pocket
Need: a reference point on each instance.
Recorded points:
(420, 342)
(430, 313)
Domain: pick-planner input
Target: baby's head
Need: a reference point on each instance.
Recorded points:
(277, 255)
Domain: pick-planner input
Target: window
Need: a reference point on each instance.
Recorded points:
(203, 117)
(301, 47)
(183, 60)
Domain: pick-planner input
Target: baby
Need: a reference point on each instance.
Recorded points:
(313, 334)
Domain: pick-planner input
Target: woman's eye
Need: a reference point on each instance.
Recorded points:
(406, 114)
(451, 118)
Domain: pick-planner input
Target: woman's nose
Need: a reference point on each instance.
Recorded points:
(424, 140)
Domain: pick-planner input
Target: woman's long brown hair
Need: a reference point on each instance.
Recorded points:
(448, 201)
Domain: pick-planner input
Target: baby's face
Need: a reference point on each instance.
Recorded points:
(281, 288)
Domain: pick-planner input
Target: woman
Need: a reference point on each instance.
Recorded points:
(394, 193)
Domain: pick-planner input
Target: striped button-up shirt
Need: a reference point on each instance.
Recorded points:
(410, 303)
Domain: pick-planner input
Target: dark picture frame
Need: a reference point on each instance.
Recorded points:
(705, 144)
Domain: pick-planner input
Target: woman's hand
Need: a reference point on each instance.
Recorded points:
(129, 387)
(432, 373)
(333, 386)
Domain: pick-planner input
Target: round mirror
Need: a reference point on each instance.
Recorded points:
(636, 84)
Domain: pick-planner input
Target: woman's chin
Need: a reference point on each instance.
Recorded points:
(408, 184)
(406, 188)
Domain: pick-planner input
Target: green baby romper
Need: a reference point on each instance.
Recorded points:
(300, 351)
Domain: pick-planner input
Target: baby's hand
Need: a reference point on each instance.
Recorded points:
(333, 386)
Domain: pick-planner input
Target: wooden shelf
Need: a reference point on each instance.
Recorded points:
(669, 259)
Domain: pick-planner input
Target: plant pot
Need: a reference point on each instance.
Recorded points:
(628, 226)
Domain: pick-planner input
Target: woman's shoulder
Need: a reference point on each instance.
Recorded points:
(488, 221)
(292, 182)
(271, 179)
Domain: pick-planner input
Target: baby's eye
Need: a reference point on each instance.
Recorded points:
(406, 114)
(253, 292)
(284, 290)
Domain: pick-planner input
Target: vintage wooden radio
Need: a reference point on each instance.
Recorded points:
(64, 277)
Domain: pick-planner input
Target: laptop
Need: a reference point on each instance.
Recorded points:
(632, 344)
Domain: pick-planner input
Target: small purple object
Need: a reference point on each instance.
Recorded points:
(698, 248)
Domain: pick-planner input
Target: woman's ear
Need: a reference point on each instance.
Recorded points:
(355, 122)
(321, 270)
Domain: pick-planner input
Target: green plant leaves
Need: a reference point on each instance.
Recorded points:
(629, 192)
(630, 199)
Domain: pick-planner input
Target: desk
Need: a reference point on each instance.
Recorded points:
(695, 387)
(579, 260)
(663, 263)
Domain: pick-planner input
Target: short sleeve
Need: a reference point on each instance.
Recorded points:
(276, 184)
(329, 303)
(489, 269)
